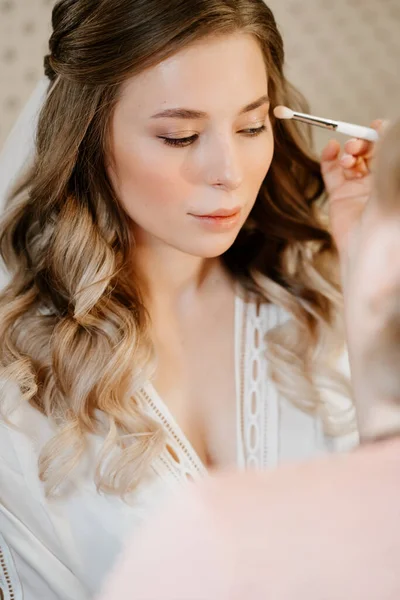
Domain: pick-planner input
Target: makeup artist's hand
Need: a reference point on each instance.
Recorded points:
(348, 183)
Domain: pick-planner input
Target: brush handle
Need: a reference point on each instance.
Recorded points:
(357, 131)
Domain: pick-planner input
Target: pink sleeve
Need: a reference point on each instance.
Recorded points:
(180, 555)
(327, 529)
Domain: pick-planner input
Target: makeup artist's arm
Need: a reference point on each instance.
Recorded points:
(372, 298)
(327, 530)
(365, 221)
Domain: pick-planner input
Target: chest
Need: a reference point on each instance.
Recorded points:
(196, 379)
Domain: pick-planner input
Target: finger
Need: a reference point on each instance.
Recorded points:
(359, 147)
(362, 166)
(363, 151)
(356, 164)
(379, 125)
(353, 174)
(348, 161)
(331, 151)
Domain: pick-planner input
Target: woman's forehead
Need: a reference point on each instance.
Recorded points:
(225, 71)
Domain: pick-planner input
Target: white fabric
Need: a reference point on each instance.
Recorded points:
(18, 149)
(19, 144)
(61, 549)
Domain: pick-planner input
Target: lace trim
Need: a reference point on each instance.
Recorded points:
(242, 376)
(10, 587)
(178, 458)
(254, 376)
(261, 399)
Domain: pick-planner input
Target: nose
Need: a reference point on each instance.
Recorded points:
(223, 165)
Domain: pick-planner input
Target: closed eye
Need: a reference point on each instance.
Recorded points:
(187, 141)
(180, 142)
(254, 131)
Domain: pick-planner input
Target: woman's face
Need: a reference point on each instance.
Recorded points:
(192, 136)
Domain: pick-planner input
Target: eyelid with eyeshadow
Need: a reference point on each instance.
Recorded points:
(188, 140)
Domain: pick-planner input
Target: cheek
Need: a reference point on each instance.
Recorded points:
(147, 181)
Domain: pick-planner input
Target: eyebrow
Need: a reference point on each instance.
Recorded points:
(187, 113)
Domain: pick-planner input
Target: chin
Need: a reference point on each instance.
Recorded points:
(211, 248)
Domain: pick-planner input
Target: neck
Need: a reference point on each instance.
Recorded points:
(170, 277)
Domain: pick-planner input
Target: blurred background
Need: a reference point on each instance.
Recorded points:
(343, 54)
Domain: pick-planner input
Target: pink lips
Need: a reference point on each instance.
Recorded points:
(220, 220)
(222, 213)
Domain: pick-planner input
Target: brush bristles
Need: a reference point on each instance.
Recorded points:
(283, 112)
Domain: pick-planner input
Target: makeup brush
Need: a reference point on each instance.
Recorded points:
(357, 131)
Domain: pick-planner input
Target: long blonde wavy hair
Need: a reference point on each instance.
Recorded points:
(73, 326)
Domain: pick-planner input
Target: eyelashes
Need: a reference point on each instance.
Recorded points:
(188, 141)
(180, 142)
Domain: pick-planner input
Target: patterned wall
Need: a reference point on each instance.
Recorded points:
(24, 30)
(343, 54)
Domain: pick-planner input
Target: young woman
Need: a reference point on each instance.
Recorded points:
(173, 302)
